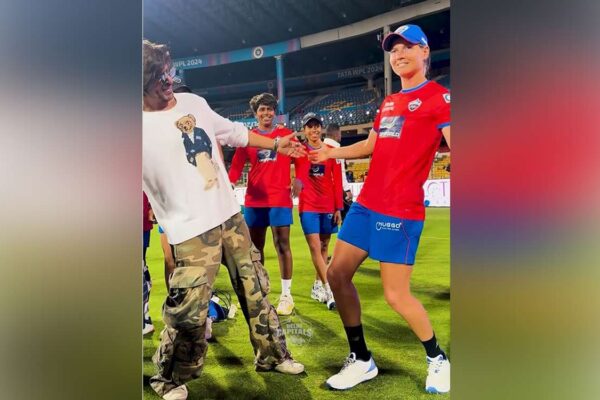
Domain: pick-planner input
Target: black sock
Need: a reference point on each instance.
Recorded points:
(356, 340)
(432, 348)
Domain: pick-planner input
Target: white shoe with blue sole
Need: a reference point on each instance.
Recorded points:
(352, 373)
(438, 375)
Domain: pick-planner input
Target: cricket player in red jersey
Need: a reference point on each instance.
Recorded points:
(320, 205)
(268, 199)
(386, 221)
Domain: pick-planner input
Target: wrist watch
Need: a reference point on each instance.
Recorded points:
(276, 144)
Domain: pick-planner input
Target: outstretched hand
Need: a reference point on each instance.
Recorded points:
(320, 155)
(290, 147)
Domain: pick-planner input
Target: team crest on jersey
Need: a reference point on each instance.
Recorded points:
(413, 105)
(391, 127)
(446, 97)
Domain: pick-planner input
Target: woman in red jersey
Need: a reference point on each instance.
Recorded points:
(386, 221)
(268, 201)
(320, 205)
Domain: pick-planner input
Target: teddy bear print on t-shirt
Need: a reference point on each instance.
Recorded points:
(198, 150)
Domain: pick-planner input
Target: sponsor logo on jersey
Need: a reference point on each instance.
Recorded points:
(391, 127)
(413, 105)
(265, 155)
(317, 170)
(446, 97)
(388, 226)
(388, 106)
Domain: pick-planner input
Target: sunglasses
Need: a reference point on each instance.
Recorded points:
(171, 73)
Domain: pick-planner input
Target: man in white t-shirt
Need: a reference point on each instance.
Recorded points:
(187, 185)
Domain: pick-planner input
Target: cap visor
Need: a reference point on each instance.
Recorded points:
(387, 43)
(312, 119)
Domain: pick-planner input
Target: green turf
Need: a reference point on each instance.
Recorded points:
(229, 371)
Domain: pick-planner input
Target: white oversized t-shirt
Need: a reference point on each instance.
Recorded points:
(188, 199)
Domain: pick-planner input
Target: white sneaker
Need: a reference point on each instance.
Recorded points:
(438, 375)
(330, 300)
(290, 367)
(179, 393)
(148, 328)
(352, 373)
(318, 292)
(286, 304)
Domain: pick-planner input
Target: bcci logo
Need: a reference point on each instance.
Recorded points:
(413, 105)
(258, 52)
(297, 330)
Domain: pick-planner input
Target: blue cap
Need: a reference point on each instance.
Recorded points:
(411, 33)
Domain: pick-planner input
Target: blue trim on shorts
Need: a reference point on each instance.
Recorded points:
(315, 222)
(259, 217)
(385, 238)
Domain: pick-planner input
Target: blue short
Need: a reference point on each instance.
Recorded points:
(146, 239)
(314, 222)
(385, 238)
(259, 217)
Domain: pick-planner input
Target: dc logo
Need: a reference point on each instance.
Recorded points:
(447, 97)
(413, 105)
(257, 52)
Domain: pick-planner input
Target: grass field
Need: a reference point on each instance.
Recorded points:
(320, 343)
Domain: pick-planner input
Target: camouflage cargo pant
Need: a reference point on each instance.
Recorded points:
(180, 356)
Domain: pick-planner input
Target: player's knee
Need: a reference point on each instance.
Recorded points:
(324, 245)
(282, 245)
(337, 279)
(397, 300)
(315, 248)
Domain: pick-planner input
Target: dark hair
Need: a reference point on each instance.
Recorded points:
(182, 89)
(155, 57)
(266, 99)
(333, 127)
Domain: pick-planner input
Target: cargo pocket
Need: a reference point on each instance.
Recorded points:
(260, 271)
(188, 295)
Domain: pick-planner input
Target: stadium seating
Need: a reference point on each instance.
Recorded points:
(348, 106)
(358, 168)
(439, 170)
